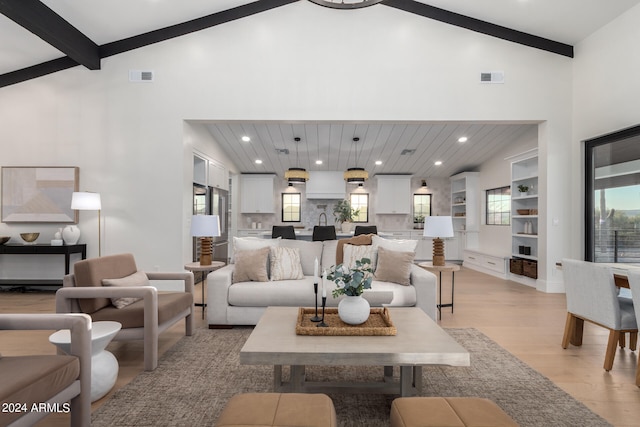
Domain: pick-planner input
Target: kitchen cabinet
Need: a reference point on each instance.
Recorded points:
(325, 185)
(257, 193)
(394, 194)
(218, 175)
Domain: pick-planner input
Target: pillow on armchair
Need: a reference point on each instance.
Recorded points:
(136, 279)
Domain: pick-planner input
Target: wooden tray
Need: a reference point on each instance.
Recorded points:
(378, 324)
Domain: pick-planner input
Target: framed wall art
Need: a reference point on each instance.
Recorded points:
(39, 194)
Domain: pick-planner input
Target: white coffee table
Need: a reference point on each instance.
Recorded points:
(104, 365)
(419, 342)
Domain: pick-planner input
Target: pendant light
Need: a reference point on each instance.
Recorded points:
(296, 175)
(356, 175)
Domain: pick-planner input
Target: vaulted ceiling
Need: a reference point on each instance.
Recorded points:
(42, 37)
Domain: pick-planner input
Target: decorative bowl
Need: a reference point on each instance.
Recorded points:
(4, 239)
(29, 237)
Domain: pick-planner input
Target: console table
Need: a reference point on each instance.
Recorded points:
(42, 249)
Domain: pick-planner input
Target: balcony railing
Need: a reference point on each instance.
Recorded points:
(617, 245)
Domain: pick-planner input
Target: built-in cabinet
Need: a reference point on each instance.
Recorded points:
(394, 194)
(465, 211)
(524, 220)
(257, 193)
(218, 175)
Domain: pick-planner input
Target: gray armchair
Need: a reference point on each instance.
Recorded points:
(592, 296)
(51, 379)
(146, 319)
(634, 285)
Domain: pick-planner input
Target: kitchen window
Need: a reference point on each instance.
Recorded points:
(291, 207)
(360, 202)
(499, 206)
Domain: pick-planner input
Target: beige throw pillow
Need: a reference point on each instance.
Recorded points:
(136, 279)
(352, 253)
(251, 266)
(285, 263)
(394, 266)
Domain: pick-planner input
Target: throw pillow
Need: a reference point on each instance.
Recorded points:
(363, 239)
(398, 245)
(309, 251)
(352, 253)
(136, 279)
(252, 243)
(251, 266)
(394, 266)
(285, 263)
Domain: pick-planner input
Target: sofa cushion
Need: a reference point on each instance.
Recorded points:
(363, 239)
(251, 265)
(285, 263)
(170, 304)
(139, 278)
(34, 379)
(90, 272)
(329, 249)
(403, 296)
(309, 251)
(394, 266)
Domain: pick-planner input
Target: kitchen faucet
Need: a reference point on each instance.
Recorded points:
(320, 218)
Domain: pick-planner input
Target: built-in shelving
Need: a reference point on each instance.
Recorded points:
(465, 210)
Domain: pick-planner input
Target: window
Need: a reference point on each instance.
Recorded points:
(499, 206)
(421, 207)
(612, 217)
(291, 207)
(360, 202)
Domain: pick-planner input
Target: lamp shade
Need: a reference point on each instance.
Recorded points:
(84, 201)
(438, 226)
(205, 225)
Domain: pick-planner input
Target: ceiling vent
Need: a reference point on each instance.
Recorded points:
(492, 77)
(137, 76)
(407, 151)
(282, 151)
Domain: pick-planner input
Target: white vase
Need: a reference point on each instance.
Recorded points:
(71, 235)
(346, 227)
(354, 310)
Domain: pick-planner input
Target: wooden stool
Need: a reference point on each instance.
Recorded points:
(448, 412)
(278, 409)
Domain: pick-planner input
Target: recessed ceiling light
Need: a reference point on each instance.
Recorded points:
(463, 139)
(258, 162)
(378, 162)
(438, 163)
(318, 162)
(246, 139)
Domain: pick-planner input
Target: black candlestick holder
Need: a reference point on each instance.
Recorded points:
(322, 324)
(315, 291)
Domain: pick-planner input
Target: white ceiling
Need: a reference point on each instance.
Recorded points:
(565, 21)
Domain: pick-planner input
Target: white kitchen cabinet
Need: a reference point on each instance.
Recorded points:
(394, 194)
(218, 175)
(257, 193)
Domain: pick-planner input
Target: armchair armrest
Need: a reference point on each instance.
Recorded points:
(218, 283)
(149, 294)
(186, 276)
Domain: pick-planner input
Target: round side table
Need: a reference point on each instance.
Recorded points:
(104, 365)
(205, 269)
(440, 268)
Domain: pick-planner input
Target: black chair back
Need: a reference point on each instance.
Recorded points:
(284, 231)
(365, 229)
(322, 232)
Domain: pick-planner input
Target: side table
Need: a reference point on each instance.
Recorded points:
(440, 268)
(205, 269)
(104, 365)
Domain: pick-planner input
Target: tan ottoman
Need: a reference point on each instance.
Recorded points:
(448, 412)
(278, 409)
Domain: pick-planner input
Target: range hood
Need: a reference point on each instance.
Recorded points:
(326, 185)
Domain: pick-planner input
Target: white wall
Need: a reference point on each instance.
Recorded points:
(128, 139)
(606, 96)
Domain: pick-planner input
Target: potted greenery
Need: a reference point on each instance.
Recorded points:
(418, 220)
(352, 282)
(523, 189)
(344, 214)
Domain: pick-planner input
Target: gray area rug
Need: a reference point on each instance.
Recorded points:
(197, 376)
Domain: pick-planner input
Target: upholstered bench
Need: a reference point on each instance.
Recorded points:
(278, 409)
(448, 412)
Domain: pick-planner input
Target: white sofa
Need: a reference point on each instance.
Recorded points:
(243, 303)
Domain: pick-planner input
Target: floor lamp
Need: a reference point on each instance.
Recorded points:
(206, 227)
(85, 201)
(438, 227)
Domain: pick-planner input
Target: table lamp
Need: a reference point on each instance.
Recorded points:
(85, 201)
(205, 227)
(438, 227)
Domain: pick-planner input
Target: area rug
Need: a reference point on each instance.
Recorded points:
(197, 376)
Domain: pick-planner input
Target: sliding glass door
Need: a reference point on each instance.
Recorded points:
(612, 217)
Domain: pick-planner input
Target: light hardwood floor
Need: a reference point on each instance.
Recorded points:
(527, 323)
